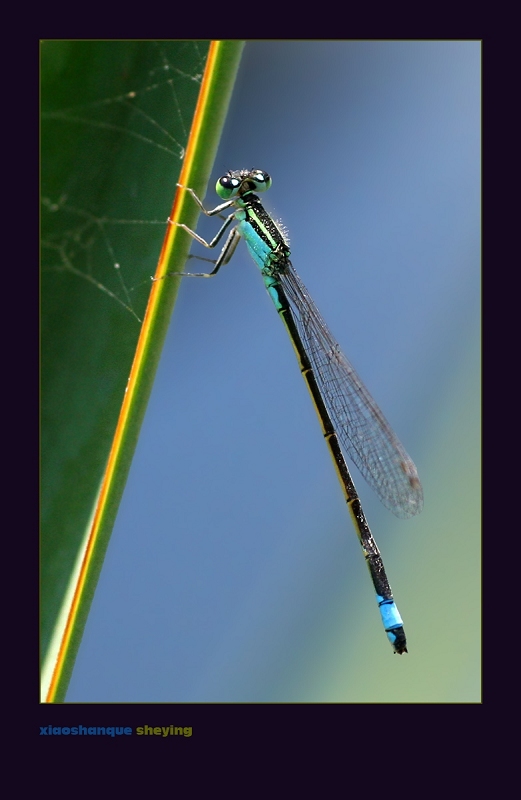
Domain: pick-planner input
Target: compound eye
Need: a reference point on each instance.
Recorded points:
(261, 179)
(227, 187)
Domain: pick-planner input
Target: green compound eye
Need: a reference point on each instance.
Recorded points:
(227, 187)
(261, 180)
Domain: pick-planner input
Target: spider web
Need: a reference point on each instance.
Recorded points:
(110, 162)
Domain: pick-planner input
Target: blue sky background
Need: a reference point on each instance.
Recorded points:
(234, 573)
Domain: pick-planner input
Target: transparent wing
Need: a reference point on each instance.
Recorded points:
(364, 433)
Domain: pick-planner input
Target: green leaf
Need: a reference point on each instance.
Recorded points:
(117, 127)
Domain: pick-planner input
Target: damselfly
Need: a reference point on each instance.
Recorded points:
(350, 419)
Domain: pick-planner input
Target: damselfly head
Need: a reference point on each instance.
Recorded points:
(238, 182)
